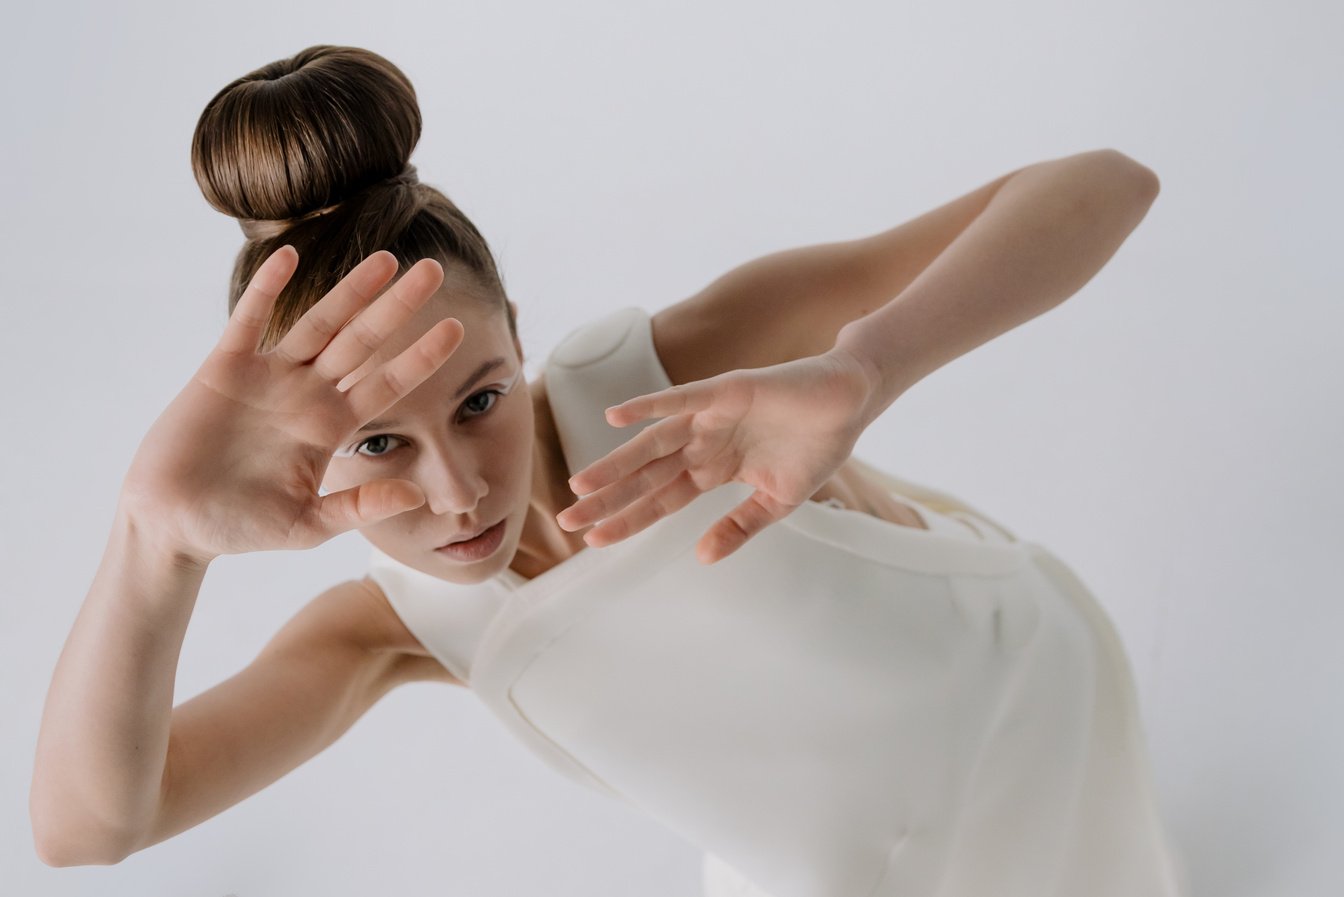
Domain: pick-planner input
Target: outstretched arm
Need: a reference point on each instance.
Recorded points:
(1047, 230)
(785, 426)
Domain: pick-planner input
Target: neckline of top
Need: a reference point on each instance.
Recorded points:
(811, 516)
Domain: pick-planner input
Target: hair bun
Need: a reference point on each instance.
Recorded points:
(299, 137)
(270, 228)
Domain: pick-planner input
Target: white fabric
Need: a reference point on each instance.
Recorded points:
(844, 707)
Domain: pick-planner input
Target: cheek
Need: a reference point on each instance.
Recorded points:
(336, 478)
(511, 460)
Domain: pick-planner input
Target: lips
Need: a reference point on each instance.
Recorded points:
(469, 551)
(473, 535)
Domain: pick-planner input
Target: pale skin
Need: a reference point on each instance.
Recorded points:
(120, 768)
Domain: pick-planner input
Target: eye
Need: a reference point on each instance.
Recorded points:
(370, 441)
(485, 392)
(495, 395)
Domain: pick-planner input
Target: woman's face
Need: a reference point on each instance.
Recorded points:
(466, 441)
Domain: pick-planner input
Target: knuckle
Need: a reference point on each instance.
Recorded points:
(364, 333)
(392, 380)
(322, 327)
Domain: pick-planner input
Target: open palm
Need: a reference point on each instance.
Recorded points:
(785, 429)
(234, 462)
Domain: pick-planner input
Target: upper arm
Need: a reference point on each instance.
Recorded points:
(792, 303)
(306, 687)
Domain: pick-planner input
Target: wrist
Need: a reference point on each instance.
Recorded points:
(141, 535)
(885, 386)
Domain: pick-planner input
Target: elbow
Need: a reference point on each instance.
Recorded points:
(56, 846)
(50, 853)
(1148, 184)
(65, 838)
(57, 853)
(1144, 178)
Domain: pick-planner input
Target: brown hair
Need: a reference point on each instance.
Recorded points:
(314, 151)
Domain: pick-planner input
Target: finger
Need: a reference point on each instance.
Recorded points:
(366, 503)
(318, 324)
(242, 333)
(605, 502)
(743, 522)
(676, 399)
(394, 378)
(642, 514)
(663, 438)
(360, 338)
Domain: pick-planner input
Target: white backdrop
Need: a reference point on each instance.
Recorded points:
(1173, 430)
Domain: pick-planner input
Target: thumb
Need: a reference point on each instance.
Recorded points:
(367, 503)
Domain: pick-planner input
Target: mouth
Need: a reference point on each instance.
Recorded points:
(476, 535)
(475, 548)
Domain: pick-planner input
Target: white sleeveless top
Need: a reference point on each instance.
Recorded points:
(844, 707)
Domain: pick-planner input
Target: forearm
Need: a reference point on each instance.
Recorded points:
(103, 741)
(1043, 235)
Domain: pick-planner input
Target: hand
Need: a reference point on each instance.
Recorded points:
(234, 462)
(785, 429)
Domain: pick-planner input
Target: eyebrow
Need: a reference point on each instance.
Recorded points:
(482, 369)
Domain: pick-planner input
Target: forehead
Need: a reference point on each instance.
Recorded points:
(485, 334)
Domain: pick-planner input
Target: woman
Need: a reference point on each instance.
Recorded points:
(836, 681)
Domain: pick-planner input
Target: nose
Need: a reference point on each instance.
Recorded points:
(451, 481)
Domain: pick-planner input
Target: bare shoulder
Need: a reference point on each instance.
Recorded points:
(383, 632)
